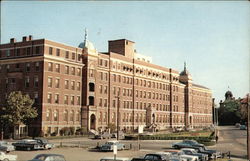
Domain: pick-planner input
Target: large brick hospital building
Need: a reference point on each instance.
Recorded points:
(81, 87)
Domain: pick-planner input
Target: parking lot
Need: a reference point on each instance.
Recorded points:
(78, 154)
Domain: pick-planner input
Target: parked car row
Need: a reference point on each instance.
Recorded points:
(192, 147)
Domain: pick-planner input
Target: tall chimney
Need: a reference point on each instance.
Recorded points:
(12, 40)
(25, 38)
(30, 37)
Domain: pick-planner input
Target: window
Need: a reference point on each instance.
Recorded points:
(27, 82)
(57, 52)
(73, 85)
(106, 76)
(73, 56)
(27, 67)
(56, 115)
(100, 102)
(17, 66)
(50, 51)
(114, 103)
(72, 100)
(36, 97)
(17, 52)
(57, 98)
(49, 82)
(79, 57)
(67, 54)
(100, 88)
(7, 53)
(65, 115)
(50, 67)
(105, 89)
(78, 71)
(91, 73)
(91, 101)
(58, 68)
(77, 116)
(7, 67)
(28, 51)
(57, 83)
(73, 70)
(35, 81)
(105, 102)
(37, 66)
(78, 86)
(78, 99)
(37, 50)
(71, 116)
(48, 115)
(66, 69)
(66, 99)
(66, 84)
(49, 98)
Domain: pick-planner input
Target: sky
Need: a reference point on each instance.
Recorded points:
(213, 38)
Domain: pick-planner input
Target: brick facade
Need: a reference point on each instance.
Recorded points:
(80, 87)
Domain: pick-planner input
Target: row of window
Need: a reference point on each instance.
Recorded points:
(72, 100)
(139, 82)
(67, 69)
(67, 116)
(67, 84)
(36, 50)
(29, 67)
(67, 54)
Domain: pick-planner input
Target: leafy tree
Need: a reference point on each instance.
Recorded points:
(229, 112)
(17, 110)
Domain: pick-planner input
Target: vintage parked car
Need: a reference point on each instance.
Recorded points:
(33, 144)
(152, 157)
(187, 144)
(192, 152)
(212, 154)
(6, 147)
(182, 155)
(109, 146)
(7, 157)
(114, 159)
(49, 157)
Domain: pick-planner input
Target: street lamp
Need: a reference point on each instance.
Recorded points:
(117, 116)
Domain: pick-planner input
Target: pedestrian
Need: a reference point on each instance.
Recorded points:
(216, 138)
